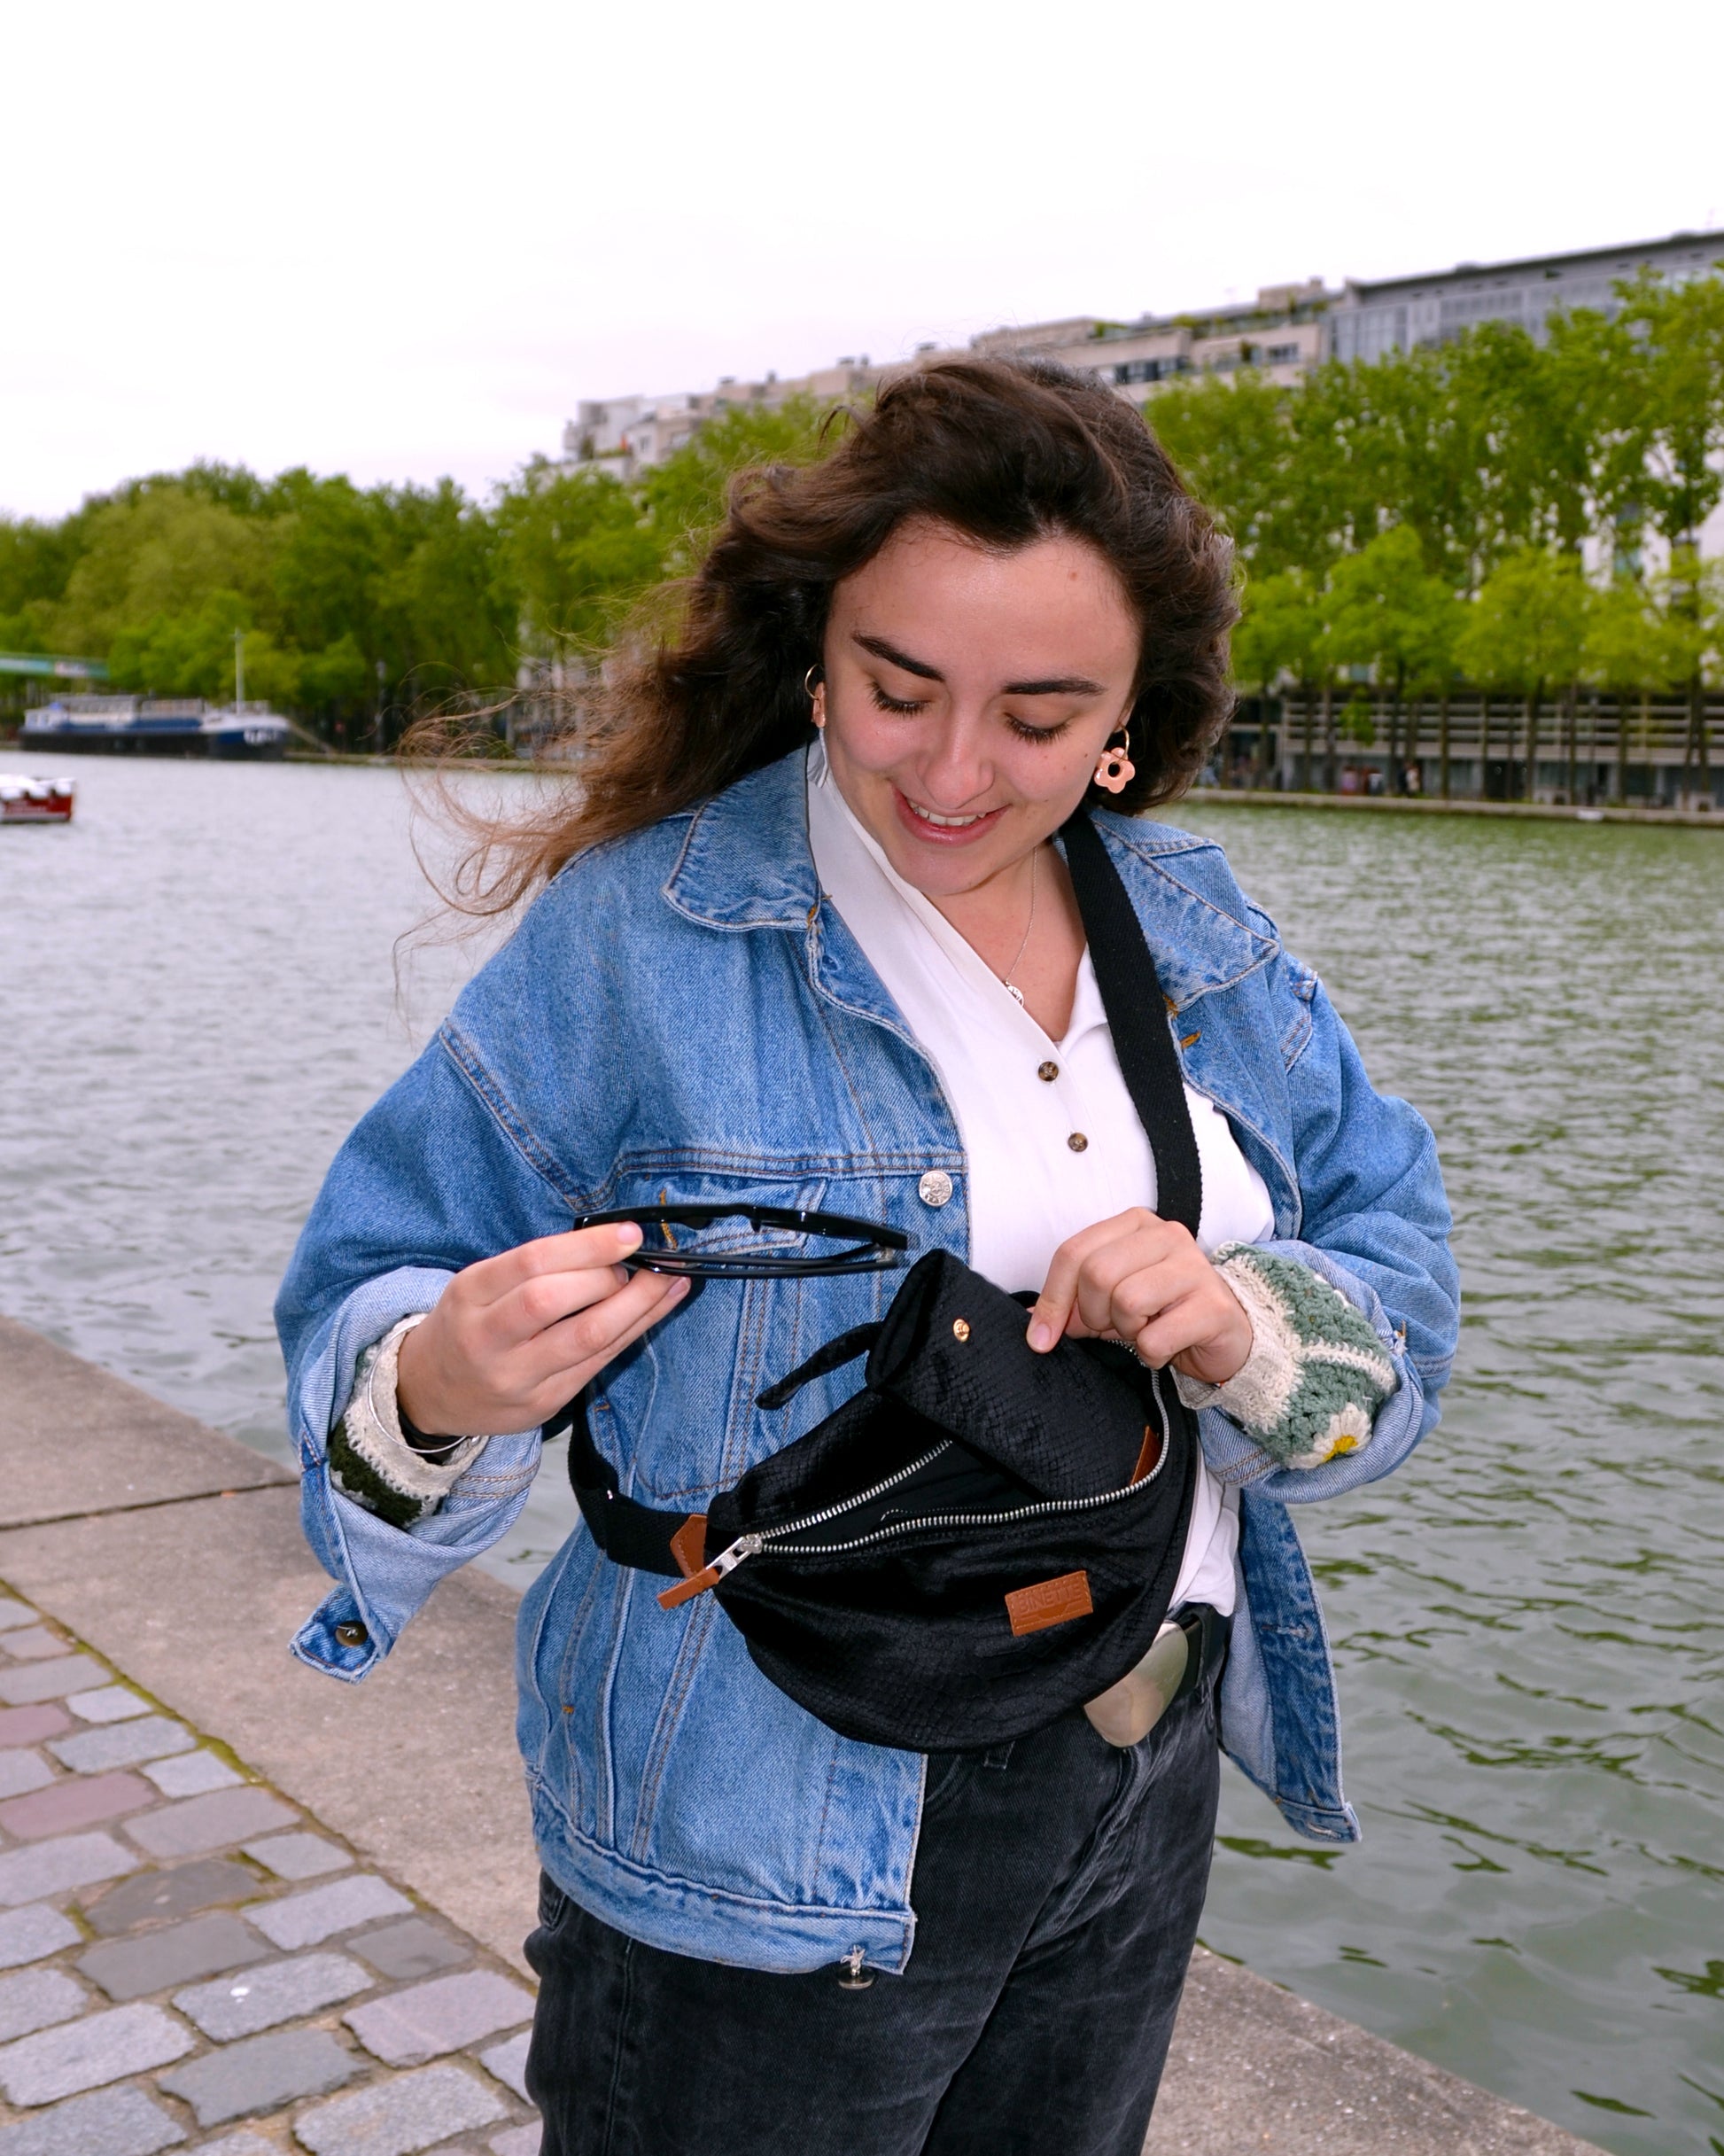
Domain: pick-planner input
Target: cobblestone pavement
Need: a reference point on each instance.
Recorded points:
(188, 1961)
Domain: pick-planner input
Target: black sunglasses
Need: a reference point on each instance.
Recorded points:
(879, 1247)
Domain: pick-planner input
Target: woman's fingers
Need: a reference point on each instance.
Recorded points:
(1144, 1280)
(1052, 1310)
(578, 1345)
(1088, 1266)
(586, 1251)
(496, 1340)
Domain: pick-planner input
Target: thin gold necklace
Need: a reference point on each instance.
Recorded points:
(1006, 982)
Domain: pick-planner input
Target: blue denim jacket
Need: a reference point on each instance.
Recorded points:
(682, 1015)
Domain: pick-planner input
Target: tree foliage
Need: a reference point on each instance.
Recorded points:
(1430, 511)
(352, 602)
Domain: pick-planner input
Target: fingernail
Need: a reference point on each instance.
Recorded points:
(628, 1234)
(1041, 1336)
(681, 1285)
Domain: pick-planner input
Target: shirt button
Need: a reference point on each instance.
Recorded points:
(352, 1634)
(1079, 1142)
(935, 1187)
(1047, 1072)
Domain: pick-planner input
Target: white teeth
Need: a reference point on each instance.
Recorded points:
(947, 823)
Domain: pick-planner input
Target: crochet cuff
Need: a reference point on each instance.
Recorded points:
(1316, 1374)
(371, 1462)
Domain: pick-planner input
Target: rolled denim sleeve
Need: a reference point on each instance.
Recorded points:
(1375, 1224)
(434, 1178)
(384, 1574)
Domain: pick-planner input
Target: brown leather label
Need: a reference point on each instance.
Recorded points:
(689, 1545)
(1032, 1609)
(1151, 1454)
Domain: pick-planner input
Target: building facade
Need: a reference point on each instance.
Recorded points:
(1286, 331)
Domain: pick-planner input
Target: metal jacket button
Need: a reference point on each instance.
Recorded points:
(352, 1634)
(1079, 1142)
(935, 1187)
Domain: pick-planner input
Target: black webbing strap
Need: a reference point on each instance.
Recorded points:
(1136, 1011)
(629, 1534)
(836, 1352)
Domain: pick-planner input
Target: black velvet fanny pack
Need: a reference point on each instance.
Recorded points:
(982, 1537)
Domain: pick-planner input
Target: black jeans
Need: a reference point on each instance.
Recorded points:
(1057, 1890)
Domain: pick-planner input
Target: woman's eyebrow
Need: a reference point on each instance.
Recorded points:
(1056, 685)
(893, 657)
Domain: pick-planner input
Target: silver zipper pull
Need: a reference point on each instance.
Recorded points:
(709, 1575)
(856, 1978)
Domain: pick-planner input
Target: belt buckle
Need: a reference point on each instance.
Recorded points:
(1126, 1712)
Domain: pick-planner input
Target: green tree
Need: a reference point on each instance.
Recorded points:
(1282, 633)
(1526, 632)
(574, 549)
(1388, 613)
(1227, 434)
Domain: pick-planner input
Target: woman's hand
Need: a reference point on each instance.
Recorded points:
(1142, 1280)
(515, 1337)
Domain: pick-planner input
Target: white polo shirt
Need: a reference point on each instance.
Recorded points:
(1021, 1099)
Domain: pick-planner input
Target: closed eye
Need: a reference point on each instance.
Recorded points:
(904, 707)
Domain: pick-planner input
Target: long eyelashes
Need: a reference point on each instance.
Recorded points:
(903, 708)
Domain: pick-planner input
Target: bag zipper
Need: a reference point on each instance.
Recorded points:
(768, 1541)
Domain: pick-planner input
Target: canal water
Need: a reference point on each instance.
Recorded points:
(203, 985)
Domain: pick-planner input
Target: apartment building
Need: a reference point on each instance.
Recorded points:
(1398, 312)
(1284, 332)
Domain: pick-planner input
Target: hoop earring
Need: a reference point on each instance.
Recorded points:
(1115, 771)
(811, 690)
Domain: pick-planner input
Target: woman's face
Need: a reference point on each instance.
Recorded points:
(969, 695)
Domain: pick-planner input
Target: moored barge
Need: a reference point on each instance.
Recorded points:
(154, 725)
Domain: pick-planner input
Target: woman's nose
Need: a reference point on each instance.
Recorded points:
(955, 768)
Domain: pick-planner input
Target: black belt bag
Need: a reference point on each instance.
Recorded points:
(982, 1537)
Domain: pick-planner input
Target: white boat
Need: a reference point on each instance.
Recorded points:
(33, 800)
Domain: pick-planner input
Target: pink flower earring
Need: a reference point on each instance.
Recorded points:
(1115, 771)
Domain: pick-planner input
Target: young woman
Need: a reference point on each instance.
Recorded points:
(805, 936)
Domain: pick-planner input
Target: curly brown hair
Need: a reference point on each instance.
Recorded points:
(1005, 452)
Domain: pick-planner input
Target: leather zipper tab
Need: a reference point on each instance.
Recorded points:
(709, 1575)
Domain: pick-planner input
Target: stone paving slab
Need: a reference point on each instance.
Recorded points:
(162, 1996)
(65, 1805)
(31, 1725)
(408, 2113)
(1254, 2067)
(134, 1968)
(28, 1935)
(410, 2027)
(130, 1450)
(114, 2122)
(122, 1744)
(21, 1771)
(260, 1998)
(50, 1867)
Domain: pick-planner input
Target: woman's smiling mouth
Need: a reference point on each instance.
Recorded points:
(929, 824)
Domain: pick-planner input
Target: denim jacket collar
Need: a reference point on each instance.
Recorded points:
(746, 863)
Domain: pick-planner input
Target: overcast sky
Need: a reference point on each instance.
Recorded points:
(399, 240)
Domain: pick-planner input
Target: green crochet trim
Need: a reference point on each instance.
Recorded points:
(357, 1479)
(1315, 1389)
(1320, 1315)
